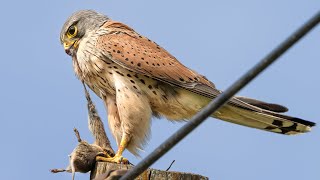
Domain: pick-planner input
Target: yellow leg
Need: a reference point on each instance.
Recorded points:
(118, 158)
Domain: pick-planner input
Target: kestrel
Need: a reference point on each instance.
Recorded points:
(137, 79)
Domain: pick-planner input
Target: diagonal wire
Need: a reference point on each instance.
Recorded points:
(221, 99)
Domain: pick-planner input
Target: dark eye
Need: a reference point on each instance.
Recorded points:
(72, 31)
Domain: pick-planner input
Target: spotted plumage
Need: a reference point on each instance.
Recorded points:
(137, 79)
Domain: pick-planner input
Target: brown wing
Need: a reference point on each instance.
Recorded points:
(124, 46)
(136, 53)
(139, 54)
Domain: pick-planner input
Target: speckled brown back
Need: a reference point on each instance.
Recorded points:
(139, 54)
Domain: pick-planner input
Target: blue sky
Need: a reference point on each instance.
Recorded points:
(42, 100)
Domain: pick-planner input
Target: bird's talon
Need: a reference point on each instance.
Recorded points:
(115, 159)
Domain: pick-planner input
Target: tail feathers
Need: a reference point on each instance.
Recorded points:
(264, 120)
(263, 105)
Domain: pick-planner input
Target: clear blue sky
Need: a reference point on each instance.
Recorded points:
(41, 99)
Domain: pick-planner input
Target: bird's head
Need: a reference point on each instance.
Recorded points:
(77, 26)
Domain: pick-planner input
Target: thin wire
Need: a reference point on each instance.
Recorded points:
(221, 99)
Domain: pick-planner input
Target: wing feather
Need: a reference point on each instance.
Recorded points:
(124, 46)
(138, 54)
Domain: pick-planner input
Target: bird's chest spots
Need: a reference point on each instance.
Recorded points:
(97, 74)
(159, 96)
(106, 77)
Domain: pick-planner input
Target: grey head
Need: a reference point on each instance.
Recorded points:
(77, 26)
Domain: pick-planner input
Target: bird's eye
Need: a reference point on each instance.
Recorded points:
(72, 31)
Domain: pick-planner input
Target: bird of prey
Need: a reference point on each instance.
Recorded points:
(137, 79)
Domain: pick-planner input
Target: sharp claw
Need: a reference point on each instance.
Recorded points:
(115, 159)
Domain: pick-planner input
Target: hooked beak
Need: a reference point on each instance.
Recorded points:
(70, 47)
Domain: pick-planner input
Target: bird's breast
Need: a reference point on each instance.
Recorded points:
(92, 68)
